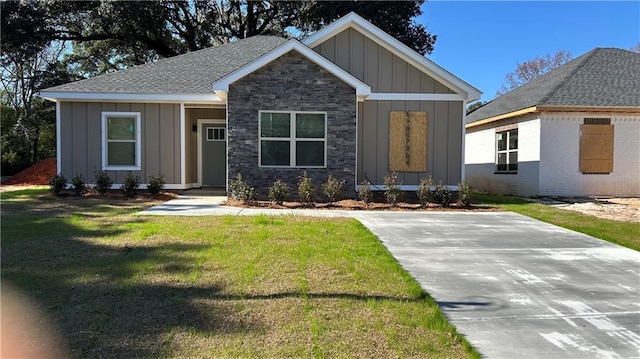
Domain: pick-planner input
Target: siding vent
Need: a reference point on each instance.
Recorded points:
(408, 141)
(596, 146)
(597, 121)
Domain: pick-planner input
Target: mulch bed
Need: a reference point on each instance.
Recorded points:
(350, 204)
(36, 175)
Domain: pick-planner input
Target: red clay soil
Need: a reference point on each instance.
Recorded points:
(38, 174)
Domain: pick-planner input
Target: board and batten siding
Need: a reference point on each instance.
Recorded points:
(81, 141)
(376, 66)
(444, 141)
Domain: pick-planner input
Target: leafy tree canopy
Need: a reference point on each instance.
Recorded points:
(110, 35)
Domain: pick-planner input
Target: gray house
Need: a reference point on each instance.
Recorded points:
(349, 100)
(574, 131)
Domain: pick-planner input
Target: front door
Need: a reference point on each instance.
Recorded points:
(214, 151)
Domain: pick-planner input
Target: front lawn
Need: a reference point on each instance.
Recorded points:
(626, 234)
(120, 285)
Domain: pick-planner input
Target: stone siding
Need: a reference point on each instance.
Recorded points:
(291, 83)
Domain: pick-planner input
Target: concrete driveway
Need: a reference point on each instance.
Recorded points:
(517, 287)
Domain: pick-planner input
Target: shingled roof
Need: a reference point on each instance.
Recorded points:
(190, 73)
(603, 77)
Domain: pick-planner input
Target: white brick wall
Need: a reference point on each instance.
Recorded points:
(559, 156)
(480, 160)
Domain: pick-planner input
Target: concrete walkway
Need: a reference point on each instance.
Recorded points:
(514, 286)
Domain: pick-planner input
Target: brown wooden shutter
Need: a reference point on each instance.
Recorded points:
(408, 141)
(596, 148)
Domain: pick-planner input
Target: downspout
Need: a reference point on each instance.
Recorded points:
(183, 148)
(58, 142)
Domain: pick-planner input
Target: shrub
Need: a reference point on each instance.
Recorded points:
(57, 183)
(240, 190)
(392, 193)
(156, 184)
(102, 181)
(364, 193)
(464, 194)
(130, 185)
(79, 187)
(442, 194)
(424, 191)
(306, 189)
(278, 192)
(333, 189)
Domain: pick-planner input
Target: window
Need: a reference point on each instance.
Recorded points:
(596, 146)
(507, 151)
(215, 134)
(293, 139)
(121, 140)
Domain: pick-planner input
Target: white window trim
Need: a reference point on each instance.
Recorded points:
(213, 138)
(137, 166)
(507, 151)
(292, 139)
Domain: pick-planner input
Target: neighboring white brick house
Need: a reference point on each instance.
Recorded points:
(548, 121)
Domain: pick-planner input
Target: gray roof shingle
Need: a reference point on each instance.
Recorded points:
(602, 77)
(190, 73)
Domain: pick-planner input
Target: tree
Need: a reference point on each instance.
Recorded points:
(476, 105)
(111, 35)
(28, 121)
(532, 69)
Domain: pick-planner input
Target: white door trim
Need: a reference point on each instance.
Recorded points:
(201, 122)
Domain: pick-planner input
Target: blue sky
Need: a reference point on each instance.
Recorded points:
(482, 41)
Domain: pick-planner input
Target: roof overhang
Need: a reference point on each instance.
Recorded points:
(221, 86)
(542, 108)
(127, 97)
(353, 20)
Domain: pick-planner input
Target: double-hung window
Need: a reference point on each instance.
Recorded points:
(507, 151)
(293, 139)
(121, 140)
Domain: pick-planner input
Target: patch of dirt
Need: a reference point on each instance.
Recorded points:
(350, 204)
(36, 175)
(617, 209)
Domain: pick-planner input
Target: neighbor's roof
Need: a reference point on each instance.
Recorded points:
(190, 73)
(603, 77)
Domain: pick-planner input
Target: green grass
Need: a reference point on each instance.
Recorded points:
(120, 285)
(626, 234)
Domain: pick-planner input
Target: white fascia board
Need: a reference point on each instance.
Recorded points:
(222, 84)
(378, 96)
(396, 47)
(125, 97)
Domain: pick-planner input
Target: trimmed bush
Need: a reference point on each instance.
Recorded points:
(278, 192)
(102, 181)
(392, 193)
(130, 185)
(156, 184)
(364, 193)
(464, 194)
(424, 191)
(57, 183)
(442, 194)
(306, 189)
(79, 187)
(240, 190)
(333, 189)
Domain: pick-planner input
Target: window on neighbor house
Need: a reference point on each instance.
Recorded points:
(507, 151)
(596, 146)
(293, 139)
(121, 140)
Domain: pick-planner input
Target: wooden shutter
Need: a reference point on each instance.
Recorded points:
(596, 148)
(408, 141)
